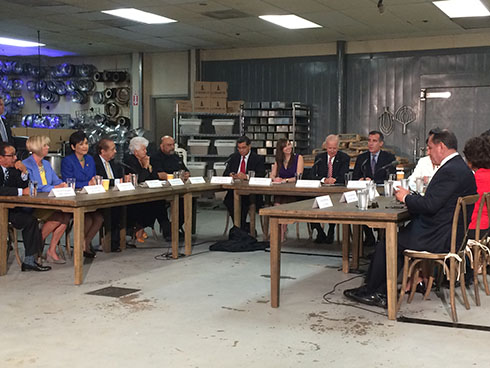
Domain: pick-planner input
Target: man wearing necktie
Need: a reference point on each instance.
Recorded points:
(106, 167)
(370, 166)
(5, 131)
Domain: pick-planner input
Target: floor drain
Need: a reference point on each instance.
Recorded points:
(113, 291)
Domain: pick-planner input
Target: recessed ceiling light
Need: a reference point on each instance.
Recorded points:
(462, 8)
(18, 43)
(438, 94)
(139, 16)
(290, 21)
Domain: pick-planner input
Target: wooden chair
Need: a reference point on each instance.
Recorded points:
(480, 249)
(13, 242)
(456, 256)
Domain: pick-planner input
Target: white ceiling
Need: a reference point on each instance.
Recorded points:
(79, 26)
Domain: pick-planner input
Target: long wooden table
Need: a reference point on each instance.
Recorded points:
(84, 203)
(341, 213)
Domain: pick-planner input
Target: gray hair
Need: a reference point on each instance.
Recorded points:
(136, 143)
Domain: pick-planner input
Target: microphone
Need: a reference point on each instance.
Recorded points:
(315, 167)
(393, 163)
(363, 167)
(227, 162)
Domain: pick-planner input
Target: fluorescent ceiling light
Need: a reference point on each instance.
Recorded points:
(290, 21)
(18, 43)
(438, 95)
(462, 8)
(139, 16)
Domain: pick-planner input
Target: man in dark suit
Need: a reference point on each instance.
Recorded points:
(13, 182)
(5, 131)
(238, 165)
(330, 167)
(374, 164)
(430, 229)
(106, 167)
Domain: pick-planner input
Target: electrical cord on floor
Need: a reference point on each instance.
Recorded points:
(328, 301)
(167, 256)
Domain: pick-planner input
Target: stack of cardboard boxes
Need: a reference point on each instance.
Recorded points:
(210, 97)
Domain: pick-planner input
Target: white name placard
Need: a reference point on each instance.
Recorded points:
(349, 197)
(264, 182)
(61, 192)
(221, 180)
(123, 187)
(175, 182)
(357, 184)
(153, 184)
(308, 184)
(197, 180)
(323, 202)
(93, 189)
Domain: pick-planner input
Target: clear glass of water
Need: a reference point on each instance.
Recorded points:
(419, 185)
(210, 174)
(71, 182)
(388, 188)
(98, 180)
(347, 177)
(404, 184)
(362, 199)
(251, 174)
(298, 176)
(33, 188)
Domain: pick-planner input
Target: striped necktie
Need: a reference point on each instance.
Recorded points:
(108, 170)
(3, 131)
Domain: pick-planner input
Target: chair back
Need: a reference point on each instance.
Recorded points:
(485, 201)
(461, 223)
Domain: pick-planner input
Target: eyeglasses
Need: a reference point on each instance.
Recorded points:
(9, 155)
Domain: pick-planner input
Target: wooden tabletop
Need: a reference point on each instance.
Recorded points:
(284, 189)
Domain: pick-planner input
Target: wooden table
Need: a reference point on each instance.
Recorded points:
(340, 213)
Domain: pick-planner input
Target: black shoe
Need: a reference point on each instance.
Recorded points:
(115, 250)
(36, 267)
(362, 295)
(369, 242)
(88, 254)
(329, 238)
(321, 239)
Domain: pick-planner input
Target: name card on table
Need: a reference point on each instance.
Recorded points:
(323, 202)
(308, 184)
(175, 182)
(221, 180)
(197, 180)
(357, 184)
(123, 187)
(153, 183)
(349, 197)
(61, 192)
(264, 182)
(93, 189)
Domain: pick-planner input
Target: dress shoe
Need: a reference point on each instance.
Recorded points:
(88, 254)
(55, 261)
(321, 239)
(115, 250)
(36, 267)
(364, 296)
(329, 238)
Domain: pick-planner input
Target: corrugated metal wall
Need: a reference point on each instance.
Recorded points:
(373, 82)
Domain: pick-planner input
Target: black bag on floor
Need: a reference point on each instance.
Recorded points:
(239, 241)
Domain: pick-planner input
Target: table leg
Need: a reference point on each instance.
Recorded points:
(175, 226)
(4, 219)
(251, 212)
(391, 268)
(78, 243)
(356, 232)
(237, 206)
(275, 248)
(122, 231)
(345, 248)
(188, 223)
(106, 243)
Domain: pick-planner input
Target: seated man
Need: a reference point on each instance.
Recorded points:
(13, 182)
(430, 228)
(373, 164)
(330, 167)
(239, 164)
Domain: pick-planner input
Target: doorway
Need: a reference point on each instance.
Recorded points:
(163, 116)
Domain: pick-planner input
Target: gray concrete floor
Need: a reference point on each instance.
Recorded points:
(213, 310)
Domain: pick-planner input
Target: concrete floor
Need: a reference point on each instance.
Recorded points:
(212, 310)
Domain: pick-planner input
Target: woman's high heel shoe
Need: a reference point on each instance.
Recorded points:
(55, 261)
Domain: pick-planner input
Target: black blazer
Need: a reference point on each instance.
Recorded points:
(340, 166)
(133, 166)
(9, 132)
(255, 163)
(433, 213)
(362, 169)
(14, 181)
(117, 169)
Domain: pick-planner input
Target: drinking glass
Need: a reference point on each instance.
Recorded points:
(404, 184)
(362, 199)
(71, 182)
(210, 174)
(388, 188)
(298, 176)
(419, 185)
(33, 188)
(98, 179)
(251, 174)
(347, 177)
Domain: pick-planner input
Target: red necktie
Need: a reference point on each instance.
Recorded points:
(330, 167)
(242, 165)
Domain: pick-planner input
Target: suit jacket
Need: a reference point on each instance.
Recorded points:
(71, 168)
(133, 167)
(255, 163)
(9, 132)
(339, 169)
(362, 169)
(14, 182)
(117, 169)
(433, 213)
(51, 177)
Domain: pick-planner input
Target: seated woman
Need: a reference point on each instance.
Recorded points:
(81, 166)
(40, 170)
(144, 214)
(287, 167)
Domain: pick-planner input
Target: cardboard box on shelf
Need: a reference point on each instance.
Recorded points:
(19, 132)
(184, 105)
(58, 136)
(218, 105)
(219, 89)
(202, 89)
(233, 107)
(202, 104)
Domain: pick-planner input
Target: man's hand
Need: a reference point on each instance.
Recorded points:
(329, 180)
(25, 191)
(186, 175)
(92, 181)
(61, 185)
(20, 166)
(401, 193)
(241, 176)
(162, 175)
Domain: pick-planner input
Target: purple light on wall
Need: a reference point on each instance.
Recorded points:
(6, 50)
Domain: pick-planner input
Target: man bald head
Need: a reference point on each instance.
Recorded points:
(167, 145)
